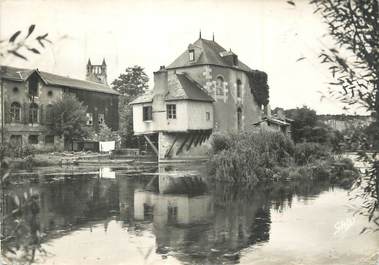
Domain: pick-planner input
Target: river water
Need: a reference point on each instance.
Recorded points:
(174, 215)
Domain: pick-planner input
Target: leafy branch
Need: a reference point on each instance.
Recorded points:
(15, 44)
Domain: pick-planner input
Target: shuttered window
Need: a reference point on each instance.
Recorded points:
(33, 113)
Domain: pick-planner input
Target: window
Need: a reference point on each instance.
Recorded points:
(33, 113)
(49, 114)
(33, 139)
(235, 60)
(172, 214)
(148, 212)
(89, 119)
(220, 86)
(15, 112)
(16, 139)
(191, 55)
(147, 113)
(15, 89)
(101, 119)
(171, 111)
(50, 93)
(239, 119)
(239, 87)
(33, 86)
(208, 116)
(49, 139)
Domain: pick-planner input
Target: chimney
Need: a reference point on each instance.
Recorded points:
(267, 111)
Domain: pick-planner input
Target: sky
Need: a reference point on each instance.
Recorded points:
(267, 35)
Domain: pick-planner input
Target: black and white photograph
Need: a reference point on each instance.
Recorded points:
(189, 132)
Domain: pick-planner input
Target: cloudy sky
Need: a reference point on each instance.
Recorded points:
(269, 35)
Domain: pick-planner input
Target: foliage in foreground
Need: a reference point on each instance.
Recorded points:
(266, 156)
(354, 65)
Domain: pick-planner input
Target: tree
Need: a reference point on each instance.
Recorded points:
(131, 84)
(69, 118)
(307, 127)
(354, 63)
(105, 134)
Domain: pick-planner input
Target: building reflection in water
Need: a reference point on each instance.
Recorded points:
(200, 223)
(192, 219)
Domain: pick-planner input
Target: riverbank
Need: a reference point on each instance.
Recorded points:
(271, 156)
(54, 159)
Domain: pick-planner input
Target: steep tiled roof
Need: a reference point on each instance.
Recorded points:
(184, 88)
(147, 97)
(211, 53)
(20, 75)
(189, 89)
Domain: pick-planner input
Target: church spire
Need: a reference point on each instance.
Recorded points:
(213, 36)
(200, 34)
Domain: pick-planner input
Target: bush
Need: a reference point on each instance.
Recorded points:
(220, 142)
(266, 156)
(16, 150)
(249, 157)
(309, 152)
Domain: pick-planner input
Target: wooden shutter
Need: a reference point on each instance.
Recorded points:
(25, 113)
(7, 112)
(41, 114)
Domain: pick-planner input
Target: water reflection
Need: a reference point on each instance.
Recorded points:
(193, 221)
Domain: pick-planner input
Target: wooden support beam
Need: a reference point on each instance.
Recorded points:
(190, 143)
(182, 145)
(172, 145)
(198, 136)
(209, 135)
(151, 144)
(203, 136)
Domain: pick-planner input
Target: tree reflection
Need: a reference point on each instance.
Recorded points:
(36, 212)
(196, 221)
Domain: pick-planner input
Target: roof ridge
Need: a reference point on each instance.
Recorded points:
(57, 80)
(76, 79)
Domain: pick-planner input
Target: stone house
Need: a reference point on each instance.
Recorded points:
(206, 89)
(27, 96)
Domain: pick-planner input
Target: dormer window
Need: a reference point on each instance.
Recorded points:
(33, 86)
(191, 55)
(235, 60)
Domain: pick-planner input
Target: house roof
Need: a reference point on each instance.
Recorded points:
(21, 74)
(147, 97)
(273, 120)
(188, 89)
(184, 88)
(211, 53)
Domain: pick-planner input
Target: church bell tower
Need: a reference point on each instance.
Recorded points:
(97, 73)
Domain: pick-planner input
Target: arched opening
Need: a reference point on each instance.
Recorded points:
(15, 112)
(33, 113)
(239, 88)
(239, 119)
(220, 86)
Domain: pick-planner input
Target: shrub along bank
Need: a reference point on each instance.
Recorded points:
(266, 156)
